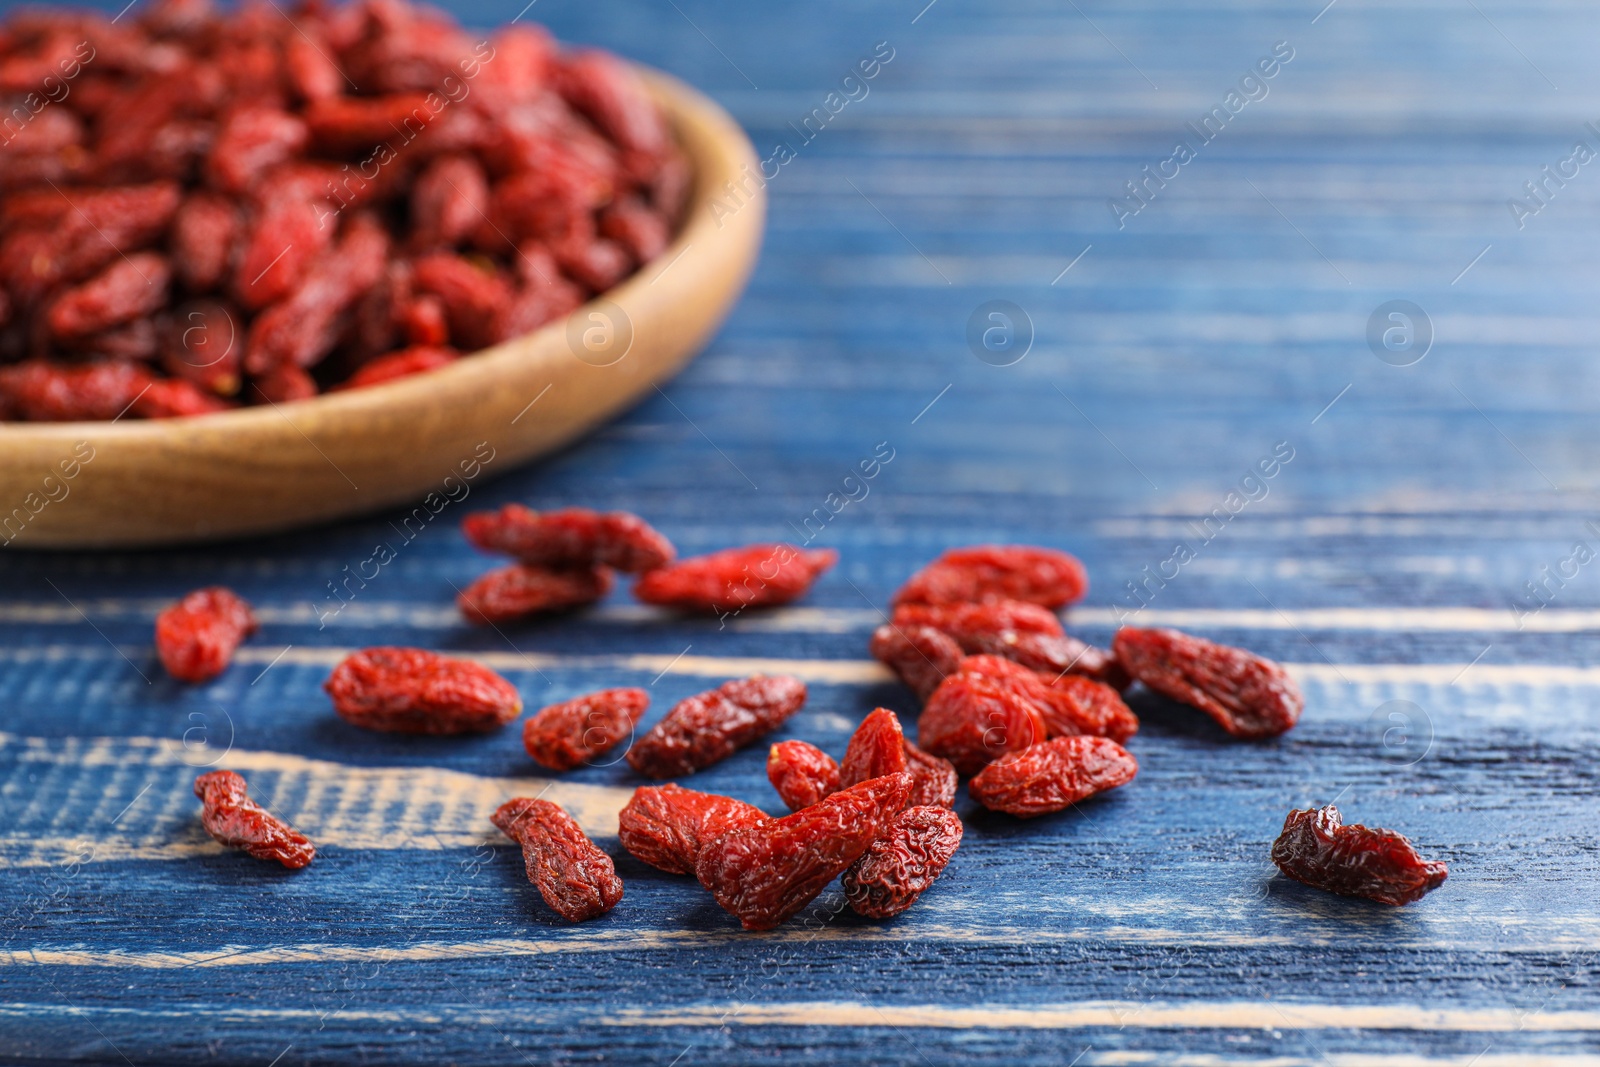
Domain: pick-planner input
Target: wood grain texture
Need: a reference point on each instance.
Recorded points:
(1147, 927)
(276, 467)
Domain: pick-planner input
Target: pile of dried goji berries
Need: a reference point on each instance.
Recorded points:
(202, 209)
(1032, 717)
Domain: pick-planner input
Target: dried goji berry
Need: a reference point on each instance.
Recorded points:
(287, 237)
(1068, 705)
(877, 748)
(735, 578)
(474, 296)
(666, 826)
(575, 878)
(801, 773)
(570, 537)
(920, 655)
(411, 690)
(975, 717)
(567, 735)
(637, 227)
(203, 235)
(230, 816)
(423, 320)
(197, 636)
(449, 201)
(253, 138)
(1354, 861)
(613, 97)
(285, 383)
(132, 287)
(711, 726)
(401, 364)
(101, 225)
(969, 623)
(903, 862)
(1052, 655)
(305, 327)
(39, 391)
(998, 572)
(523, 589)
(764, 874)
(933, 779)
(204, 344)
(1247, 695)
(171, 398)
(1052, 776)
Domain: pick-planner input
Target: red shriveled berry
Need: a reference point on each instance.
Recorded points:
(520, 590)
(570, 537)
(1053, 655)
(1354, 861)
(196, 637)
(801, 773)
(903, 862)
(877, 748)
(666, 826)
(1052, 776)
(575, 878)
(230, 816)
(975, 717)
(566, 735)
(766, 873)
(998, 572)
(401, 364)
(132, 287)
(711, 726)
(411, 690)
(1069, 705)
(933, 779)
(39, 391)
(736, 578)
(920, 655)
(1247, 695)
(970, 623)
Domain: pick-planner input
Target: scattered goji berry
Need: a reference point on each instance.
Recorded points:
(1053, 655)
(920, 655)
(877, 748)
(1052, 776)
(1070, 704)
(735, 578)
(702, 729)
(933, 779)
(411, 690)
(975, 717)
(801, 773)
(971, 622)
(766, 873)
(666, 826)
(570, 734)
(197, 636)
(230, 816)
(998, 572)
(1354, 861)
(575, 878)
(903, 862)
(523, 589)
(570, 537)
(1247, 695)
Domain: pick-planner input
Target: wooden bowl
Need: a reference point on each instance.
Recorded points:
(261, 469)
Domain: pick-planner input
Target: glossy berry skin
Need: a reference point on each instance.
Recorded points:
(877, 748)
(920, 656)
(521, 590)
(570, 734)
(903, 862)
(197, 636)
(755, 576)
(666, 826)
(570, 537)
(1247, 695)
(933, 779)
(575, 878)
(998, 572)
(1070, 704)
(765, 874)
(1354, 861)
(413, 691)
(975, 717)
(711, 726)
(1052, 776)
(231, 817)
(801, 773)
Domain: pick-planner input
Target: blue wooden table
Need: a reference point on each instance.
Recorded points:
(1235, 299)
